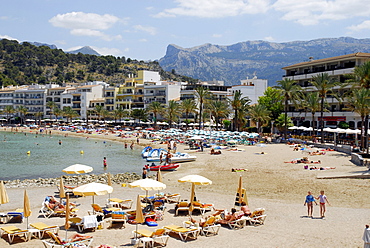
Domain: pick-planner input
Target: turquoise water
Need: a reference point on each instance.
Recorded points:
(47, 158)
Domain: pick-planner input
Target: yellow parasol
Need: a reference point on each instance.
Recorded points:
(194, 180)
(109, 179)
(78, 169)
(109, 182)
(67, 225)
(93, 189)
(147, 184)
(159, 176)
(26, 206)
(139, 218)
(241, 193)
(3, 195)
(62, 192)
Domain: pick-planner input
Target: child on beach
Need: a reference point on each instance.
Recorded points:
(323, 199)
(310, 199)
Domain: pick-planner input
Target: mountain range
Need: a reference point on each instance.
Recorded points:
(263, 59)
(232, 63)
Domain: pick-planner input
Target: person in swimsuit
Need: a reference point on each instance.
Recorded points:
(323, 199)
(310, 199)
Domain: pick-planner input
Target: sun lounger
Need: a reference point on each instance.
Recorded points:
(89, 222)
(202, 208)
(15, 216)
(257, 217)
(183, 232)
(43, 228)
(105, 211)
(174, 198)
(182, 206)
(147, 236)
(119, 217)
(48, 212)
(56, 242)
(119, 203)
(13, 231)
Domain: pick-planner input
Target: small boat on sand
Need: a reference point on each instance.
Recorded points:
(164, 167)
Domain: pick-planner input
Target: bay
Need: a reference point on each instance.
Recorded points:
(47, 158)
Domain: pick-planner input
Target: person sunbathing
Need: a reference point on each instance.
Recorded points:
(245, 209)
(237, 170)
(213, 152)
(234, 215)
(73, 238)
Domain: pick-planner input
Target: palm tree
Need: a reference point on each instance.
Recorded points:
(119, 113)
(22, 110)
(38, 115)
(361, 77)
(51, 105)
(188, 106)
(172, 112)
(98, 110)
(202, 94)
(69, 113)
(290, 92)
(219, 109)
(311, 102)
(140, 114)
(8, 110)
(238, 103)
(359, 102)
(57, 112)
(155, 108)
(259, 114)
(324, 84)
(105, 113)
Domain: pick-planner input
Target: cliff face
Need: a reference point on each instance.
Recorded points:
(245, 59)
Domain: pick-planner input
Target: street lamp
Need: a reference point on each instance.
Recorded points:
(272, 127)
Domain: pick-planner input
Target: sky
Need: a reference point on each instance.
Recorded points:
(142, 29)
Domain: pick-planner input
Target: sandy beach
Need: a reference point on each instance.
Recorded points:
(278, 187)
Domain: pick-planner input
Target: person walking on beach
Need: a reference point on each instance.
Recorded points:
(132, 145)
(105, 162)
(145, 172)
(310, 199)
(323, 200)
(366, 237)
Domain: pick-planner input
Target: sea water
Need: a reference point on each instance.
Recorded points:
(29, 155)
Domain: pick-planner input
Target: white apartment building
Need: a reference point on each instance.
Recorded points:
(337, 67)
(251, 88)
(161, 92)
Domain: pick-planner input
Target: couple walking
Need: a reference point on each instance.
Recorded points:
(310, 200)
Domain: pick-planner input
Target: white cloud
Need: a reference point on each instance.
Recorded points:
(4, 17)
(81, 20)
(216, 8)
(315, 11)
(217, 35)
(269, 38)
(361, 26)
(87, 24)
(143, 40)
(7, 37)
(148, 29)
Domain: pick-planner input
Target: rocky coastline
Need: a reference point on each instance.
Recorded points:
(73, 180)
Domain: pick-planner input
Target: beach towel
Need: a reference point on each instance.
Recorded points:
(90, 221)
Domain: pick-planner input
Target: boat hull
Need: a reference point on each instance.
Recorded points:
(167, 167)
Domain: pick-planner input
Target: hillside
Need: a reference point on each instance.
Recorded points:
(245, 59)
(25, 63)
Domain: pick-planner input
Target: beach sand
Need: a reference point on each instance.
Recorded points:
(278, 187)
